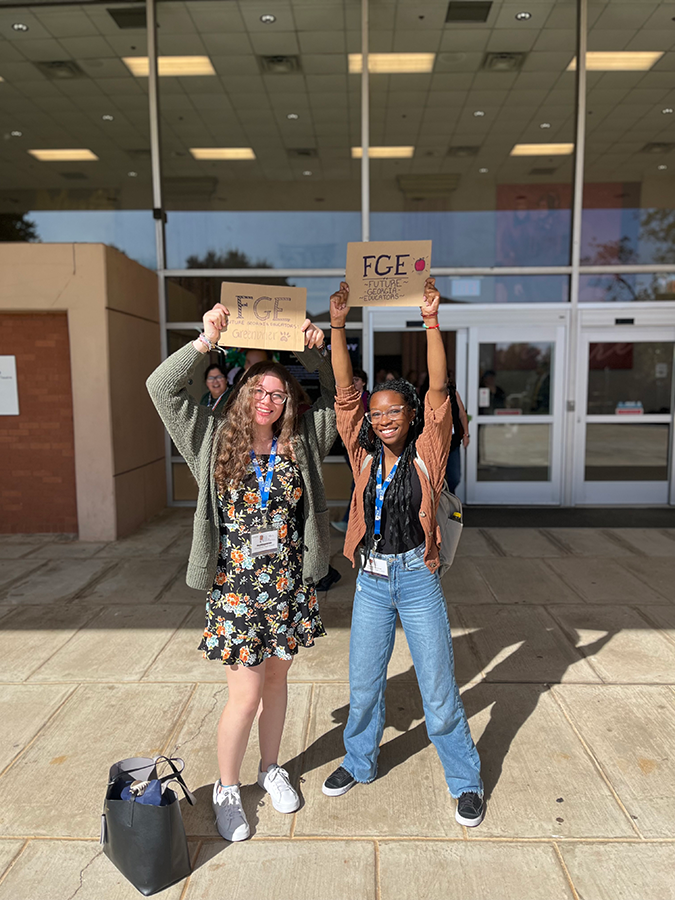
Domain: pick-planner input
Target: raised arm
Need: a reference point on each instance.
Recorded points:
(187, 422)
(342, 364)
(436, 359)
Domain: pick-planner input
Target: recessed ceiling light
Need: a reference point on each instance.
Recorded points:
(108, 118)
(392, 63)
(268, 18)
(483, 171)
(542, 149)
(306, 172)
(222, 152)
(545, 125)
(523, 16)
(64, 155)
(19, 26)
(384, 152)
(667, 111)
(178, 66)
(618, 61)
(292, 116)
(132, 174)
(478, 113)
(662, 167)
(16, 133)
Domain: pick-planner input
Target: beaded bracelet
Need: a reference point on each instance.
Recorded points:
(203, 338)
(430, 327)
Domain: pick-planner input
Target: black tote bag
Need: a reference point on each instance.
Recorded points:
(146, 843)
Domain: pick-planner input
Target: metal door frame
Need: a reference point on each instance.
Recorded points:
(622, 493)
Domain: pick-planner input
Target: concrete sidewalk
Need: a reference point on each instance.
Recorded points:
(565, 651)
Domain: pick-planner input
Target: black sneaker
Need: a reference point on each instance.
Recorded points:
(470, 809)
(328, 580)
(338, 783)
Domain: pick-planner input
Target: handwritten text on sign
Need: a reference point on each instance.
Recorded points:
(387, 273)
(264, 316)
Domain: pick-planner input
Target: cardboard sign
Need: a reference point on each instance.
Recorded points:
(264, 316)
(387, 273)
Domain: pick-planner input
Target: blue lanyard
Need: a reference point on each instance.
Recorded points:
(267, 483)
(380, 490)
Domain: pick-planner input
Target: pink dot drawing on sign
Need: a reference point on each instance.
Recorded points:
(420, 265)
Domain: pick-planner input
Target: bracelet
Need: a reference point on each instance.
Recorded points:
(336, 326)
(430, 327)
(203, 338)
(430, 316)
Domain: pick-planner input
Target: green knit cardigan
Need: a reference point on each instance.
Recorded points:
(194, 431)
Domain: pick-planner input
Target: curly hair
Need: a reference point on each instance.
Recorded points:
(236, 434)
(399, 491)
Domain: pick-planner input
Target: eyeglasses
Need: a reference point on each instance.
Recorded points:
(275, 396)
(394, 412)
(215, 378)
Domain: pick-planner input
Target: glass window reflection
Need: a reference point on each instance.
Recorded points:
(627, 452)
(515, 379)
(514, 452)
(632, 378)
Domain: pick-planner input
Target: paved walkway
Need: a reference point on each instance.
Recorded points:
(565, 649)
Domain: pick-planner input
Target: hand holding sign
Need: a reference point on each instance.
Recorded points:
(215, 322)
(339, 307)
(388, 273)
(431, 300)
(313, 335)
(264, 316)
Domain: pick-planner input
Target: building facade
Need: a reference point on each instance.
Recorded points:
(532, 142)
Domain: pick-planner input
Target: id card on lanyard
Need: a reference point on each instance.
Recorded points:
(264, 540)
(374, 565)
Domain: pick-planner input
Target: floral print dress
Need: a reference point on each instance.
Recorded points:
(258, 606)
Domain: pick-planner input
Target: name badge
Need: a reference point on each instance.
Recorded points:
(376, 566)
(264, 541)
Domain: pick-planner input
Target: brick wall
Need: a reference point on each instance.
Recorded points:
(37, 459)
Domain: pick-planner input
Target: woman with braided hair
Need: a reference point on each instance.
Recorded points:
(398, 452)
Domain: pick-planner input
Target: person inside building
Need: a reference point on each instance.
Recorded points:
(217, 388)
(398, 454)
(460, 436)
(260, 544)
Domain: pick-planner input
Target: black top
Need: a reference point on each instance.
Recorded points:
(457, 427)
(412, 538)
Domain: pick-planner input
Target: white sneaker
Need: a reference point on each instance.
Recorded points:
(276, 782)
(230, 817)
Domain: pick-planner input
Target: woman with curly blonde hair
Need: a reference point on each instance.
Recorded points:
(260, 541)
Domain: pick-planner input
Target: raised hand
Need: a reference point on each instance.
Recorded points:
(313, 335)
(215, 322)
(431, 300)
(339, 308)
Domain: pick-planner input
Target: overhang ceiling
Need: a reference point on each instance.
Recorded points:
(243, 105)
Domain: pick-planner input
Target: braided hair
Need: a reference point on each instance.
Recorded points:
(399, 491)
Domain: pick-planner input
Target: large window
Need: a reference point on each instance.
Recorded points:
(629, 186)
(478, 148)
(257, 168)
(75, 159)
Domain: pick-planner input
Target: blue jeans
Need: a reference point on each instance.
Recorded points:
(415, 593)
(453, 469)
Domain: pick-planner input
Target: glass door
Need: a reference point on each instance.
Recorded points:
(515, 403)
(624, 447)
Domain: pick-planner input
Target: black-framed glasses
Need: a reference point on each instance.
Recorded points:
(277, 397)
(393, 413)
